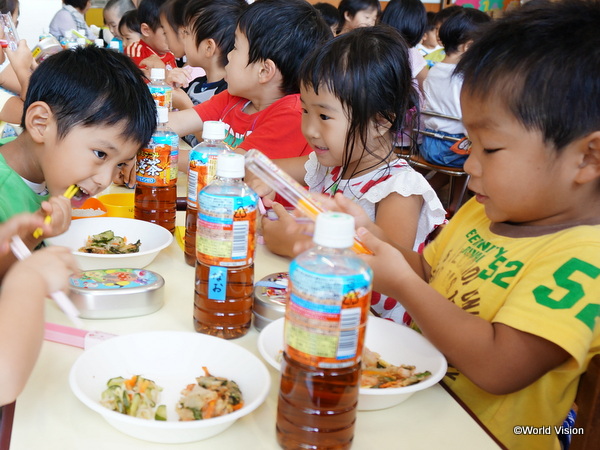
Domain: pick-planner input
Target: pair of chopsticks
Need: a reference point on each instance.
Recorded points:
(69, 193)
(21, 251)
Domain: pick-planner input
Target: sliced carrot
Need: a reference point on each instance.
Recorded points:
(209, 411)
(129, 384)
(238, 406)
(206, 372)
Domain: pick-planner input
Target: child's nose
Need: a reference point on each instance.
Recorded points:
(104, 177)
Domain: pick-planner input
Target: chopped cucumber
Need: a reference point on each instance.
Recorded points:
(161, 413)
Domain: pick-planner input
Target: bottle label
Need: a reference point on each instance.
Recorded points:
(162, 95)
(154, 163)
(325, 318)
(174, 158)
(217, 283)
(202, 170)
(226, 230)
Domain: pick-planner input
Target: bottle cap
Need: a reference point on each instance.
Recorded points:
(230, 165)
(213, 129)
(114, 45)
(334, 229)
(81, 42)
(162, 114)
(158, 74)
(99, 43)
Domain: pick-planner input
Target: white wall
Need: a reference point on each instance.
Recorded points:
(35, 18)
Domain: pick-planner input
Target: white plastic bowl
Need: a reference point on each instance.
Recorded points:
(397, 344)
(172, 360)
(153, 239)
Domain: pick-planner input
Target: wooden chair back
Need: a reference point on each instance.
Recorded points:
(588, 408)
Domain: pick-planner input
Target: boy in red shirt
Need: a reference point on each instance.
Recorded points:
(152, 50)
(261, 106)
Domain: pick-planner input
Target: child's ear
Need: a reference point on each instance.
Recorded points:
(210, 47)
(589, 166)
(37, 120)
(268, 70)
(145, 29)
(382, 125)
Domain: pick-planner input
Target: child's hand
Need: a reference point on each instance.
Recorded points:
(285, 236)
(21, 58)
(126, 176)
(21, 225)
(51, 265)
(152, 62)
(388, 264)
(264, 191)
(59, 209)
(178, 77)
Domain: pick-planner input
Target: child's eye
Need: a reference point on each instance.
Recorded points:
(324, 117)
(100, 154)
(304, 111)
(490, 150)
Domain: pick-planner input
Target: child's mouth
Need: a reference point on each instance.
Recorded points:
(80, 197)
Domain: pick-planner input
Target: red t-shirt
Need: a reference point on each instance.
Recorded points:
(138, 51)
(275, 131)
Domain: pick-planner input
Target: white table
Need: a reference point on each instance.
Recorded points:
(48, 415)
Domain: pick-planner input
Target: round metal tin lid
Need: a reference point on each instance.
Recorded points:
(270, 295)
(110, 280)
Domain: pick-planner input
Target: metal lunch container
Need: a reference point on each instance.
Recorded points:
(116, 293)
(269, 299)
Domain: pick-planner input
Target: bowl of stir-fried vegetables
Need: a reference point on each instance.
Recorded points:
(113, 242)
(397, 361)
(170, 387)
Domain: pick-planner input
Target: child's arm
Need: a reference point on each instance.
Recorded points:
(24, 289)
(398, 217)
(497, 358)
(285, 236)
(12, 111)
(186, 122)
(21, 61)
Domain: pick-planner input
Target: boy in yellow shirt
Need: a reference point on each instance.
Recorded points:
(509, 289)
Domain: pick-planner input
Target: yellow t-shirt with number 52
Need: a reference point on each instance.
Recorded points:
(543, 280)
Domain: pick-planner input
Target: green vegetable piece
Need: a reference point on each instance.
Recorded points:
(117, 381)
(161, 413)
(135, 404)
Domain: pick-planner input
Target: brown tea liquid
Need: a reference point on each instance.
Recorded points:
(229, 318)
(316, 407)
(156, 204)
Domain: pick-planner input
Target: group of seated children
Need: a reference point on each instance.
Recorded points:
(506, 290)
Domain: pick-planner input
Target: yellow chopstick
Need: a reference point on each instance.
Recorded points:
(69, 193)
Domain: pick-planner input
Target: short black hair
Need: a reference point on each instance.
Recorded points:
(131, 21)
(214, 19)
(121, 6)
(149, 13)
(539, 61)
(353, 6)
(443, 14)
(8, 6)
(92, 86)
(330, 14)
(409, 17)
(284, 31)
(348, 64)
(79, 4)
(173, 11)
(430, 21)
(462, 27)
